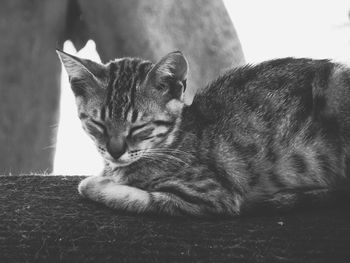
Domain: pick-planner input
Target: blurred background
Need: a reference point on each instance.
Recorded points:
(39, 128)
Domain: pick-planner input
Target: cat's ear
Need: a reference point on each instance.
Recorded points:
(83, 74)
(169, 75)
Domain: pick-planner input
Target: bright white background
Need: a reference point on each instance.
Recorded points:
(75, 151)
(301, 28)
(267, 29)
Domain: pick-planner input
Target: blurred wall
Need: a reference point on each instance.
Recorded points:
(29, 83)
(29, 76)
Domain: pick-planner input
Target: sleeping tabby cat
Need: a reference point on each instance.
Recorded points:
(274, 133)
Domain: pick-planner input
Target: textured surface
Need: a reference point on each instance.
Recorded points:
(44, 220)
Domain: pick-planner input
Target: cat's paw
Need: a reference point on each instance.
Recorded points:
(108, 191)
(91, 187)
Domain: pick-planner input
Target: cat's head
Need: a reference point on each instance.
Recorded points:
(130, 107)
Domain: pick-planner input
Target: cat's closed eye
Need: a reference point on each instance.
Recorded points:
(145, 134)
(96, 128)
(152, 129)
(136, 128)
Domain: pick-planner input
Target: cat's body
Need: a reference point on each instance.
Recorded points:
(262, 133)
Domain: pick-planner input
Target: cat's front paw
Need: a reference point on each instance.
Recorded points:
(91, 187)
(108, 191)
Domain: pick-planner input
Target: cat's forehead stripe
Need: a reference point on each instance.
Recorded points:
(112, 77)
(125, 77)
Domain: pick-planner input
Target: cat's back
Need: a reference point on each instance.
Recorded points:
(273, 79)
(276, 89)
(282, 118)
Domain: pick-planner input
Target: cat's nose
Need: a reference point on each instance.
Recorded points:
(116, 146)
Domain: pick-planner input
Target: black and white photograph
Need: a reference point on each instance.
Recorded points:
(174, 131)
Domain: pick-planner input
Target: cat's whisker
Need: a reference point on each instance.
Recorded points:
(167, 159)
(169, 155)
(154, 158)
(171, 151)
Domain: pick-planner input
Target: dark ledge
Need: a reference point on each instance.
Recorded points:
(43, 219)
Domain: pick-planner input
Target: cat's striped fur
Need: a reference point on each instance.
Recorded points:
(266, 133)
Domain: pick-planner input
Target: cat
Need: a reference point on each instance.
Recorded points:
(274, 132)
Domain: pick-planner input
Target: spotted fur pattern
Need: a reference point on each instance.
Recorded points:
(272, 132)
